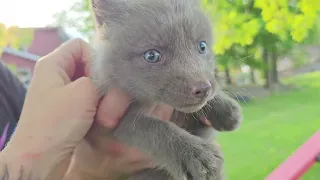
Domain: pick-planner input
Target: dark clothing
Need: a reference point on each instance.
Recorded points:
(12, 94)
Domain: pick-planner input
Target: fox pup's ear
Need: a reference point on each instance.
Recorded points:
(109, 11)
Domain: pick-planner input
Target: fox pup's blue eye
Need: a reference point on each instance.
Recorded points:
(152, 56)
(202, 48)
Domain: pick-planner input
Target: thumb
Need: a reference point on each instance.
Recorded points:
(84, 86)
(81, 99)
(83, 96)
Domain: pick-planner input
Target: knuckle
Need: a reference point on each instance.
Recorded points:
(85, 81)
(79, 42)
(41, 63)
(74, 41)
(86, 85)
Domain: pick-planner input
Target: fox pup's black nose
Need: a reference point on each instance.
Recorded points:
(201, 89)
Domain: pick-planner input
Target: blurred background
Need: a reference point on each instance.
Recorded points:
(267, 57)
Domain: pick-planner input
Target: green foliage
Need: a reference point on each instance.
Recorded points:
(78, 16)
(15, 36)
(244, 29)
(284, 16)
(243, 22)
(83, 9)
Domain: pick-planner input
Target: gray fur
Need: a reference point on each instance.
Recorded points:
(126, 29)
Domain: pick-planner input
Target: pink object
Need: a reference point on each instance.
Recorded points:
(299, 162)
(3, 137)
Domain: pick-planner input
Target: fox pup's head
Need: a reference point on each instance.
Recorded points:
(158, 50)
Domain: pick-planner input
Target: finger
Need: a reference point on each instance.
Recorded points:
(134, 156)
(163, 112)
(80, 71)
(137, 166)
(100, 140)
(72, 53)
(115, 149)
(130, 160)
(140, 165)
(112, 108)
(83, 95)
(85, 87)
(57, 68)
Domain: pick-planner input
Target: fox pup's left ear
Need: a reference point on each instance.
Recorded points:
(109, 11)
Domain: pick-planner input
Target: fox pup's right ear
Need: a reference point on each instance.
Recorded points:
(109, 11)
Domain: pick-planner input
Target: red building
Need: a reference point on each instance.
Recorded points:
(22, 62)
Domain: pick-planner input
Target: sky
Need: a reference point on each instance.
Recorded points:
(33, 13)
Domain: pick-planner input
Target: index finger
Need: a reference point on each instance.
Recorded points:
(60, 65)
(71, 53)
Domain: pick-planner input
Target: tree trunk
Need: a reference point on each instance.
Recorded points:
(270, 78)
(227, 73)
(266, 70)
(253, 78)
(274, 71)
(216, 73)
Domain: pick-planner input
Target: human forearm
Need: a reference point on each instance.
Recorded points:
(22, 172)
(9, 171)
(12, 168)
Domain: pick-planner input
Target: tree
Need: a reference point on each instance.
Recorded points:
(14, 36)
(78, 16)
(274, 26)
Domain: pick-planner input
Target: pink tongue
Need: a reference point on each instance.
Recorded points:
(205, 121)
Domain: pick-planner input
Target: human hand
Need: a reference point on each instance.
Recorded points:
(100, 156)
(60, 112)
(56, 115)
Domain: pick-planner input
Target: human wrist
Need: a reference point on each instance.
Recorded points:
(13, 170)
(17, 165)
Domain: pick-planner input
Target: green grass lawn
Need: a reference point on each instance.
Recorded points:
(272, 129)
